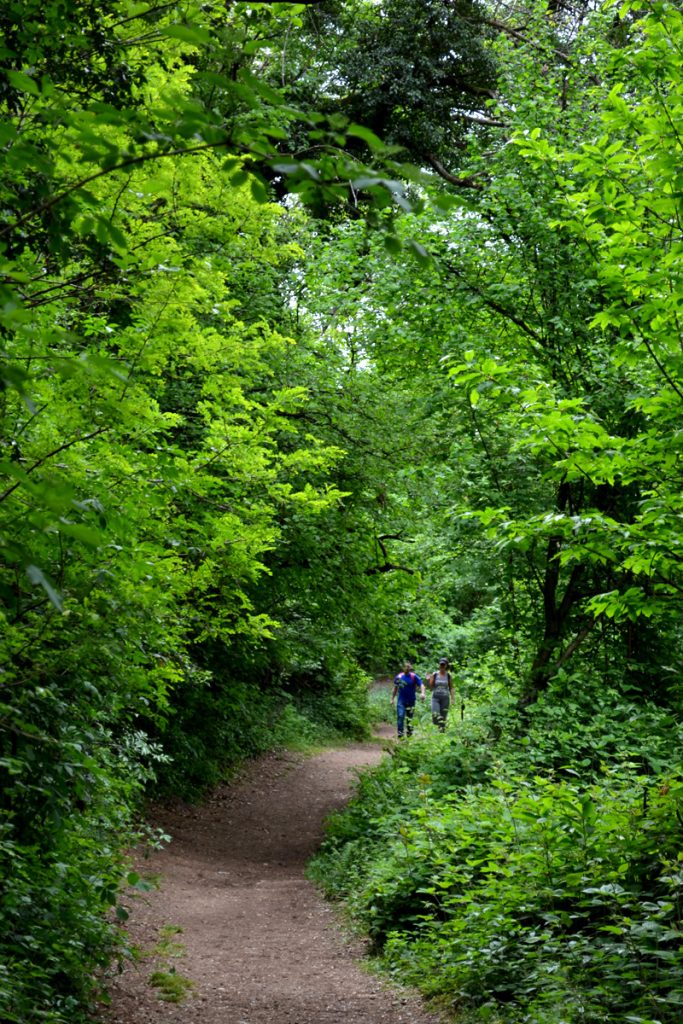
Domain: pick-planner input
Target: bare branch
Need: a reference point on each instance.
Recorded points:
(482, 119)
(388, 567)
(470, 181)
(576, 643)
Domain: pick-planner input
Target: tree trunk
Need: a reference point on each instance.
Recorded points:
(557, 610)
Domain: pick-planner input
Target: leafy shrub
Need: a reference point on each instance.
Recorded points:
(218, 722)
(63, 869)
(585, 724)
(215, 726)
(336, 697)
(541, 892)
(514, 894)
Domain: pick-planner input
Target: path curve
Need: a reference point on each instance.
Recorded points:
(258, 941)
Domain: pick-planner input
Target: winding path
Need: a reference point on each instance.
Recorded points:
(258, 942)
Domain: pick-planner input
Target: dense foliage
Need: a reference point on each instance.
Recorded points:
(332, 333)
(535, 881)
(528, 867)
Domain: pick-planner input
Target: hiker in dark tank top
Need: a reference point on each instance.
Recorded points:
(441, 685)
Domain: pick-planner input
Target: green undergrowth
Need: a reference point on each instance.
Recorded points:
(168, 944)
(381, 710)
(520, 894)
(220, 726)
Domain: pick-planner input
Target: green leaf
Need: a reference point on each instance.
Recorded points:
(23, 82)
(37, 575)
(187, 33)
(418, 251)
(358, 131)
(393, 244)
(258, 190)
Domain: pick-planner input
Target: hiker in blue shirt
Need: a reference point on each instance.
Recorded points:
(406, 684)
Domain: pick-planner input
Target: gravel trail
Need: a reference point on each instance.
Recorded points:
(235, 915)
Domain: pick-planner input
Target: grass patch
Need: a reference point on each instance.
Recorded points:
(167, 946)
(173, 987)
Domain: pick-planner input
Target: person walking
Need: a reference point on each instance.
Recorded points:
(441, 685)
(406, 685)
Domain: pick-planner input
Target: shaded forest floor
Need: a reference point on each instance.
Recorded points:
(235, 916)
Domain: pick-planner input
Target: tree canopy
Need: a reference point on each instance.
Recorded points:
(330, 334)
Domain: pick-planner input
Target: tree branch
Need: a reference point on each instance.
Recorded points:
(576, 643)
(469, 181)
(496, 306)
(522, 37)
(486, 122)
(388, 567)
(129, 162)
(50, 455)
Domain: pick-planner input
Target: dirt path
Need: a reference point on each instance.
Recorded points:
(258, 942)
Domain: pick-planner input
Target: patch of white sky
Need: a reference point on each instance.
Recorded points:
(569, 17)
(344, 326)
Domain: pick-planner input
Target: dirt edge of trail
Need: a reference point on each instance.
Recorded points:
(234, 918)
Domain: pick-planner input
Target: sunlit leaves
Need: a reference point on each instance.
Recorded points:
(150, 459)
(569, 873)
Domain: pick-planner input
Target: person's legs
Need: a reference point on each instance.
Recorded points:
(410, 711)
(445, 704)
(400, 717)
(436, 709)
(440, 705)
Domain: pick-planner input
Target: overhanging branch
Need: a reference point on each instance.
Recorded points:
(388, 567)
(469, 181)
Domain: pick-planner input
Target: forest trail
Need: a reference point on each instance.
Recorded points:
(258, 942)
